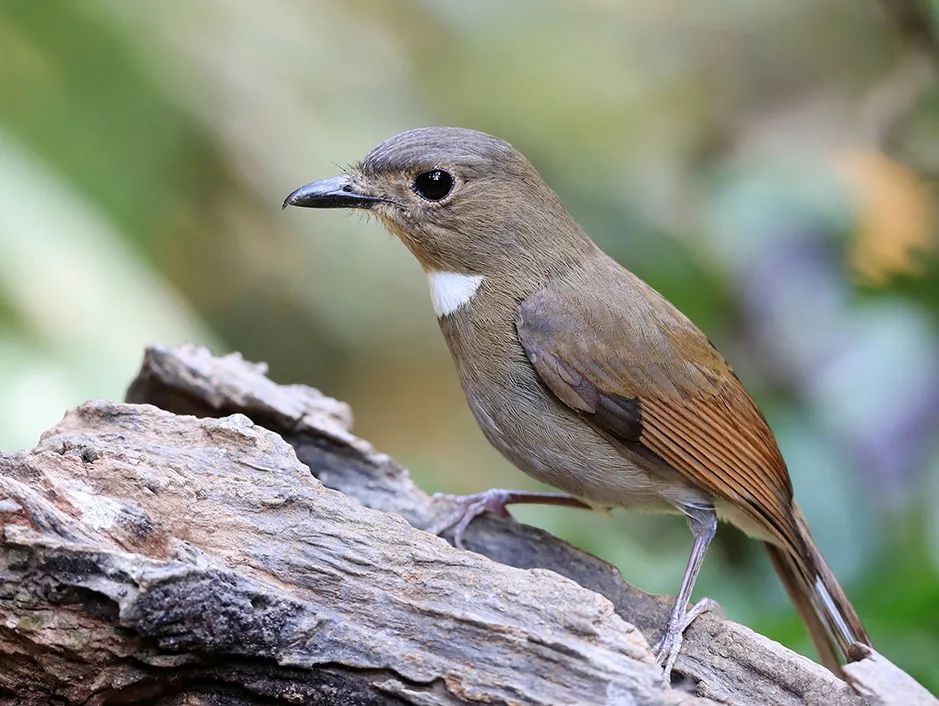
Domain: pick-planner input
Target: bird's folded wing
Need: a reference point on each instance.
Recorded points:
(637, 369)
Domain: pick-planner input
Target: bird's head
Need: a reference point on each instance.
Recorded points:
(462, 201)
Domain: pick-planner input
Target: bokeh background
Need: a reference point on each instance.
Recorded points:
(769, 166)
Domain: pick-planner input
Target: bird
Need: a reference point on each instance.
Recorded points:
(580, 373)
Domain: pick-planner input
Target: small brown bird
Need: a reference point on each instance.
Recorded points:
(579, 372)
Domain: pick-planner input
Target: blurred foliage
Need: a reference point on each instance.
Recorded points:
(770, 167)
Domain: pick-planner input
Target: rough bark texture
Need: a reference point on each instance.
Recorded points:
(152, 557)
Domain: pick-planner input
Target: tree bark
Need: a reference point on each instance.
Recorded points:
(259, 553)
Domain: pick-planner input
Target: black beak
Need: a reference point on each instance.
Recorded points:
(337, 192)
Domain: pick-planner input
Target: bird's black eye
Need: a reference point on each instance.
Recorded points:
(433, 185)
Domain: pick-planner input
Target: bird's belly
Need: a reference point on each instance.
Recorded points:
(552, 444)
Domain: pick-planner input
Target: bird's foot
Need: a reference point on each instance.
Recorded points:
(667, 648)
(469, 507)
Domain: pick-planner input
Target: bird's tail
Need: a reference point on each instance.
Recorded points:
(828, 614)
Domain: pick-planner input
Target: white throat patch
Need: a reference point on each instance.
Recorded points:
(449, 291)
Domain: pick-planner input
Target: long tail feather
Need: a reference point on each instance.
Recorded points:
(828, 614)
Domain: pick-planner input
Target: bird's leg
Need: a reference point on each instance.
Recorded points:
(702, 519)
(494, 500)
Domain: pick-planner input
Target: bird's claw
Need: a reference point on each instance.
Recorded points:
(669, 645)
(468, 507)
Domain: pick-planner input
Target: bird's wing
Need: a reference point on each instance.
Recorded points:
(640, 371)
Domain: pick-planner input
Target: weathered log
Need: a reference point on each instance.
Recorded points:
(150, 557)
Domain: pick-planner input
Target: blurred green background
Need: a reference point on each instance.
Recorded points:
(769, 166)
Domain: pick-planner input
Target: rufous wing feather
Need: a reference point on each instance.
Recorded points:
(661, 384)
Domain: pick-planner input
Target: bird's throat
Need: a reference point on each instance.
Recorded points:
(451, 291)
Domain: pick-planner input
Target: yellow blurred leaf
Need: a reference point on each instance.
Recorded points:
(896, 215)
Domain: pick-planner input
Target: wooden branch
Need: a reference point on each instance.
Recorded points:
(148, 557)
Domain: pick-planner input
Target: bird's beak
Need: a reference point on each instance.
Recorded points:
(337, 192)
